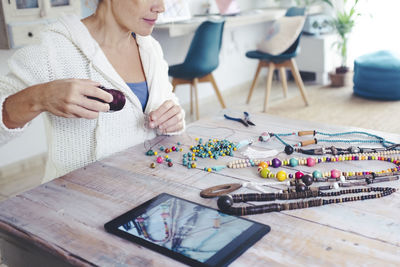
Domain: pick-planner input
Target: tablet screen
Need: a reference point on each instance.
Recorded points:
(182, 227)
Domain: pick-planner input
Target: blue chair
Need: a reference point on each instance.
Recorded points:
(282, 61)
(201, 60)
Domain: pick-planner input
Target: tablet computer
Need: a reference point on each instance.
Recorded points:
(186, 231)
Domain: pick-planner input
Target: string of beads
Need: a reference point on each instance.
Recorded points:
(312, 161)
(225, 203)
(289, 149)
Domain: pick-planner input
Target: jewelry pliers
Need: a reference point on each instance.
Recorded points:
(245, 121)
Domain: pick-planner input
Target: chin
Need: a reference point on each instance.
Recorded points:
(145, 32)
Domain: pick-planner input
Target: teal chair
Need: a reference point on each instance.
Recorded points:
(281, 62)
(201, 60)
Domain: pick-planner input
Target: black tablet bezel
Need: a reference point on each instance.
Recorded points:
(222, 258)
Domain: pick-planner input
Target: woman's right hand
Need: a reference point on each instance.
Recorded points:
(65, 98)
(69, 98)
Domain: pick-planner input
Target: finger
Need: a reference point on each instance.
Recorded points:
(81, 81)
(93, 91)
(157, 114)
(174, 128)
(163, 121)
(174, 119)
(81, 112)
(94, 105)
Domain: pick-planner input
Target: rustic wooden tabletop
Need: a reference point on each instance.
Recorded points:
(61, 222)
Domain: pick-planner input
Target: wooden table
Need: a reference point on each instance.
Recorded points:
(61, 222)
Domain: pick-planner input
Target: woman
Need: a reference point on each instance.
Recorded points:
(111, 48)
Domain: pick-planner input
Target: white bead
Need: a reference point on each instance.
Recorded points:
(342, 178)
(336, 185)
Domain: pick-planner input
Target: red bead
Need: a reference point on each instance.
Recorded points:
(167, 150)
(298, 175)
(170, 164)
(173, 148)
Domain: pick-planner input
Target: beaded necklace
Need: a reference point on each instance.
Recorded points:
(225, 203)
(289, 149)
(312, 161)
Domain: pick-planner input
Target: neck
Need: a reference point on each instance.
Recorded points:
(106, 30)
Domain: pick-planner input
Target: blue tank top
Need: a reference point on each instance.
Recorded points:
(141, 91)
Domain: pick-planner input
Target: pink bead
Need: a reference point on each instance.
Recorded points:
(335, 173)
(173, 148)
(310, 162)
(160, 159)
(298, 175)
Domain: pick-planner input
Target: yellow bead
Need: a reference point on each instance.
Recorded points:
(209, 169)
(166, 156)
(197, 139)
(155, 153)
(281, 176)
(264, 173)
(234, 149)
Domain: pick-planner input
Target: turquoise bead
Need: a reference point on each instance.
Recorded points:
(317, 174)
(293, 162)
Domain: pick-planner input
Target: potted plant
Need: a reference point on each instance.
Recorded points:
(343, 23)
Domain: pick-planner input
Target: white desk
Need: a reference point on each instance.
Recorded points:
(246, 18)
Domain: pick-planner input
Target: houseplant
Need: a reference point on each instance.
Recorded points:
(343, 23)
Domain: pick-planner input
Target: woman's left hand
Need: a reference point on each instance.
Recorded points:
(168, 118)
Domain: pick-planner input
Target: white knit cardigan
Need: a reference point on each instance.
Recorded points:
(67, 50)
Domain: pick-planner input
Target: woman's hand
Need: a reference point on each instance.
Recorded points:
(168, 117)
(66, 98)
(69, 98)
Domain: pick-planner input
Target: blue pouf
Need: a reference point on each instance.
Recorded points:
(377, 76)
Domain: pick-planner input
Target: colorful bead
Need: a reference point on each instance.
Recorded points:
(276, 163)
(310, 162)
(152, 165)
(293, 162)
(263, 165)
(170, 164)
(264, 173)
(281, 176)
(335, 173)
(317, 174)
(160, 159)
(150, 153)
(298, 175)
